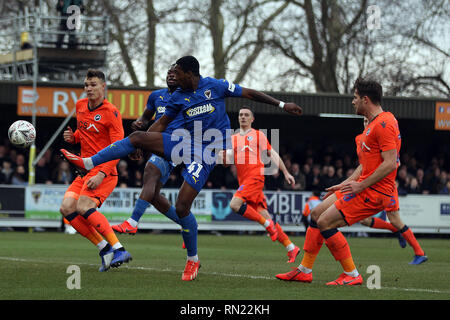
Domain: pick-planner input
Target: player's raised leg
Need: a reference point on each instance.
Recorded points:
(150, 141)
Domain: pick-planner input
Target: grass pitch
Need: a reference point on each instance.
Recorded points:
(34, 266)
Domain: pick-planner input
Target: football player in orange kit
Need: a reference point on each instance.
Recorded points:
(366, 192)
(395, 224)
(99, 124)
(249, 200)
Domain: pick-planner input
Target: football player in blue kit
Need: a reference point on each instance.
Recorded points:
(201, 101)
(157, 169)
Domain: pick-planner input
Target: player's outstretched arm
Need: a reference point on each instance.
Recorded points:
(259, 96)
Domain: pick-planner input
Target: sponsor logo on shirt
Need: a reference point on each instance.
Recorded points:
(206, 108)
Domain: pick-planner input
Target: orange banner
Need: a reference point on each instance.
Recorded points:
(442, 116)
(58, 102)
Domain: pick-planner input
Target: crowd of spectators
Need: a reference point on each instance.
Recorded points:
(313, 171)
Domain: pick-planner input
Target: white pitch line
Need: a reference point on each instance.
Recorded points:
(207, 273)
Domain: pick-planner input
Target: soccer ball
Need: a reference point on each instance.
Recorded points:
(22, 134)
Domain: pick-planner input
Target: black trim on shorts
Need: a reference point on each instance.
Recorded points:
(343, 216)
(384, 194)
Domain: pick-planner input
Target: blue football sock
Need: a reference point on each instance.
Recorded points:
(172, 215)
(139, 209)
(115, 150)
(189, 233)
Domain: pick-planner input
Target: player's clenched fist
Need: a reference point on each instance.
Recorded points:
(68, 135)
(292, 108)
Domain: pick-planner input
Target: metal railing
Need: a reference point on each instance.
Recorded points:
(43, 31)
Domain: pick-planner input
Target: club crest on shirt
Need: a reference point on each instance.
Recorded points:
(368, 131)
(97, 117)
(207, 94)
(249, 138)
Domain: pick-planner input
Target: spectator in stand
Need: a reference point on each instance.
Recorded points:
(349, 172)
(414, 187)
(3, 153)
(348, 163)
(402, 178)
(412, 166)
(231, 181)
(447, 187)
(173, 181)
(137, 179)
(340, 175)
(316, 178)
(124, 180)
(298, 176)
(433, 181)
(21, 161)
(43, 172)
(330, 178)
(420, 179)
(7, 171)
(274, 181)
(20, 176)
(442, 187)
(63, 174)
(308, 176)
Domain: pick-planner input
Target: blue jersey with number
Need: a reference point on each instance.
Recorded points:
(203, 109)
(157, 102)
(206, 125)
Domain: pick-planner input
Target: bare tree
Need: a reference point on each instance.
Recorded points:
(236, 29)
(331, 42)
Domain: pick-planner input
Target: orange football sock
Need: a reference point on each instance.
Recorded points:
(378, 223)
(313, 244)
(348, 264)
(337, 244)
(411, 239)
(282, 237)
(308, 259)
(101, 224)
(252, 214)
(84, 228)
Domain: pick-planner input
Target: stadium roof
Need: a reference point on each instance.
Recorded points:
(313, 104)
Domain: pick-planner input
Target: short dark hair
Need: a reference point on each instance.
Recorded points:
(370, 88)
(248, 108)
(189, 63)
(95, 73)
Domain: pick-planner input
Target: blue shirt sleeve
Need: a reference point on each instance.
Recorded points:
(229, 89)
(173, 107)
(151, 101)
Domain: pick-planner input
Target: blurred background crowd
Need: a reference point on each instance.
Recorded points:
(314, 169)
